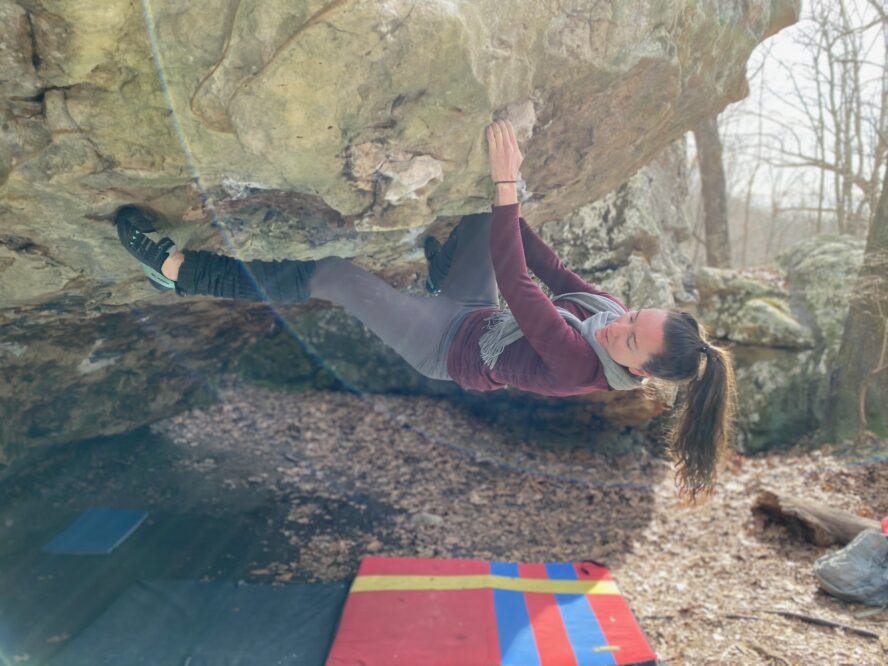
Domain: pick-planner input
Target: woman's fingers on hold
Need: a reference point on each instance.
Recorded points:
(505, 132)
(494, 134)
(498, 132)
(511, 131)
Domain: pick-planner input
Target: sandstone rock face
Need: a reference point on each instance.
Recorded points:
(295, 129)
(787, 329)
(378, 107)
(64, 379)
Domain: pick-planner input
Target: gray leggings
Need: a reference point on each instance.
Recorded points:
(419, 328)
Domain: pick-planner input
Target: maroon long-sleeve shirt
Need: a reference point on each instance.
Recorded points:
(552, 358)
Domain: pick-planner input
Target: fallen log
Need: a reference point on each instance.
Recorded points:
(813, 521)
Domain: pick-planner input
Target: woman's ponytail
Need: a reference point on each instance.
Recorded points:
(702, 429)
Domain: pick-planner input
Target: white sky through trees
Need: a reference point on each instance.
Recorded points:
(771, 139)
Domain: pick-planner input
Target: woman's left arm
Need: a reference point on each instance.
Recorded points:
(548, 267)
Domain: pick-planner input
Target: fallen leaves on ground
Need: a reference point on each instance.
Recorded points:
(421, 477)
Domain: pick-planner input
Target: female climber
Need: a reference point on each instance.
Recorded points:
(580, 341)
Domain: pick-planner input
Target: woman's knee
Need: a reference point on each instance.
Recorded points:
(329, 272)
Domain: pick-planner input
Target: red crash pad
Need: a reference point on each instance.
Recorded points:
(477, 613)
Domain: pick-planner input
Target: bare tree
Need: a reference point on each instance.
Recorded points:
(747, 210)
(830, 127)
(713, 192)
(859, 382)
(849, 148)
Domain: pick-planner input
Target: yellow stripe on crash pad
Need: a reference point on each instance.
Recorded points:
(393, 583)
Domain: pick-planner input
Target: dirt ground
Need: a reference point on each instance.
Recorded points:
(324, 478)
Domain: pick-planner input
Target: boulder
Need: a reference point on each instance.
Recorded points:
(738, 307)
(66, 379)
(821, 271)
(786, 329)
(301, 129)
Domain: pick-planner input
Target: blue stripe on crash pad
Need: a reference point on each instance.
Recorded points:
(97, 531)
(583, 629)
(517, 643)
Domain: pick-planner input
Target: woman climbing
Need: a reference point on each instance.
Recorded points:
(580, 341)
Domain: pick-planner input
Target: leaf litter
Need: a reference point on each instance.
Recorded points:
(403, 476)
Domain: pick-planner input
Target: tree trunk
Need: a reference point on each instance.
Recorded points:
(859, 380)
(714, 193)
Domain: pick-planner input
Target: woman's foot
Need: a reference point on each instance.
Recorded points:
(431, 247)
(439, 257)
(132, 223)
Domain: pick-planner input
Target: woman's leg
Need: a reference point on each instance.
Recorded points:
(418, 328)
(205, 273)
(470, 279)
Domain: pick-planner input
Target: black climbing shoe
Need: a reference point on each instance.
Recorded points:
(132, 224)
(439, 258)
(431, 247)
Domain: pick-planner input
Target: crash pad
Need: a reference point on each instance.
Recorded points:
(481, 613)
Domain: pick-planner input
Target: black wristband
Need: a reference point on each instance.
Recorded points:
(497, 182)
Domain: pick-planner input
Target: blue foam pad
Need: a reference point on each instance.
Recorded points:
(96, 532)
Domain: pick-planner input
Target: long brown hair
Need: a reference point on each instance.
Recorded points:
(703, 426)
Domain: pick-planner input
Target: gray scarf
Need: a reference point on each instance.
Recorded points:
(503, 330)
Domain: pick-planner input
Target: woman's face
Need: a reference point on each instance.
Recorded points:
(634, 338)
